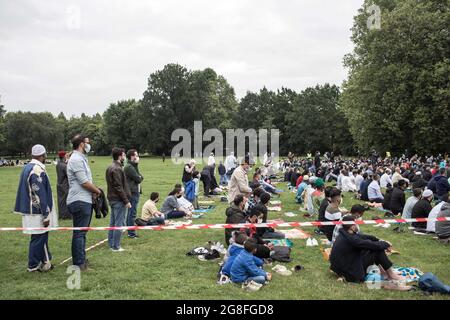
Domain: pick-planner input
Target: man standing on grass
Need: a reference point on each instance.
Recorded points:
(238, 183)
(62, 186)
(34, 202)
(79, 200)
(119, 197)
(134, 179)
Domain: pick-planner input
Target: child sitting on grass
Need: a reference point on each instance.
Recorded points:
(234, 250)
(244, 268)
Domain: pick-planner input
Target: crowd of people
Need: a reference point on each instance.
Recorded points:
(11, 163)
(382, 184)
(318, 183)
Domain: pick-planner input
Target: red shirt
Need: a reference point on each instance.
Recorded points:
(299, 180)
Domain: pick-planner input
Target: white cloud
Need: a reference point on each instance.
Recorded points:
(53, 59)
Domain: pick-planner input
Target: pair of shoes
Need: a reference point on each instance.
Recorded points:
(35, 269)
(213, 255)
(42, 267)
(251, 286)
(118, 250)
(282, 270)
(223, 279)
(133, 236)
(318, 232)
(311, 242)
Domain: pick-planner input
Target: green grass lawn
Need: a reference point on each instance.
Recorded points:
(155, 266)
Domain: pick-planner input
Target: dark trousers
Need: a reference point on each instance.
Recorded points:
(131, 216)
(155, 221)
(206, 183)
(82, 214)
(175, 214)
(376, 257)
(39, 252)
(378, 200)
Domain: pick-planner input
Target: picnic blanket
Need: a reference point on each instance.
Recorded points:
(295, 233)
(204, 209)
(281, 242)
(410, 273)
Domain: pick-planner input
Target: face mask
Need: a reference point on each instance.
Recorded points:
(136, 160)
(87, 147)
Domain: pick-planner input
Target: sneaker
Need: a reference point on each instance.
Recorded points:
(214, 255)
(314, 242)
(133, 236)
(251, 286)
(118, 250)
(309, 242)
(47, 266)
(223, 279)
(35, 269)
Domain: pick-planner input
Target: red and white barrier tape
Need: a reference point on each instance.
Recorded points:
(230, 226)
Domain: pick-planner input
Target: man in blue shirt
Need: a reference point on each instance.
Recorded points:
(374, 190)
(81, 193)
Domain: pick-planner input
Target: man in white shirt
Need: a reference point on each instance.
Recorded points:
(374, 190)
(230, 162)
(386, 179)
(211, 160)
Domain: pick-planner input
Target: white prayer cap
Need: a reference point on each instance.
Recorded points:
(38, 150)
(418, 173)
(427, 193)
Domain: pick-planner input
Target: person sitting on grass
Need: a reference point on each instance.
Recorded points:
(150, 213)
(235, 215)
(353, 252)
(244, 268)
(332, 213)
(261, 212)
(301, 187)
(398, 197)
(317, 197)
(234, 250)
(411, 202)
(374, 190)
(422, 209)
(356, 212)
(323, 207)
(443, 227)
(171, 208)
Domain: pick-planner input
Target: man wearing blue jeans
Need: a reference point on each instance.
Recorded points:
(119, 197)
(79, 199)
(134, 179)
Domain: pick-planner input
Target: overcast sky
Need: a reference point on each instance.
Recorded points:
(79, 56)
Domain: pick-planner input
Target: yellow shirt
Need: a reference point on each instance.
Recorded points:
(149, 210)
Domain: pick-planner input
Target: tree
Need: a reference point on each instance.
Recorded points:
(175, 98)
(25, 129)
(2, 126)
(397, 94)
(119, 124)
(316, 122)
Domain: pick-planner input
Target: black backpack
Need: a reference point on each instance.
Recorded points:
(281, 254)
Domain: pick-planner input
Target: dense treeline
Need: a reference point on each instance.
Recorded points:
(396, 97)
(175, 98)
